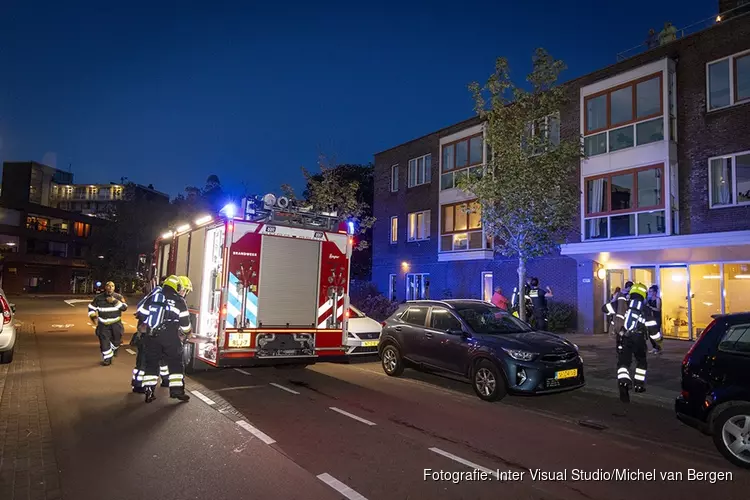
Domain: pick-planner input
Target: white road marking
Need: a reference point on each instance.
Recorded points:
(70, 302)
(255, 432)
(241, 371)
(464, 461)
(279, 386)
(240, 387)
(203, 398)
(66, 325)
(130, 351)
(355, 417)
(340, 487)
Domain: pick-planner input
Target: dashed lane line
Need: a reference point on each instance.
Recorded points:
(340, 487)
(203, 398)
(256, 432)
(130, 351)
(350, 415)
(242, 371)
(287, 389)
(464, 461)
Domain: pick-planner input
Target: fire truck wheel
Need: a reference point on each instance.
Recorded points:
(393, 363)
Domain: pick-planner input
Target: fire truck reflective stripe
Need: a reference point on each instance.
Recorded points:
(251, 309)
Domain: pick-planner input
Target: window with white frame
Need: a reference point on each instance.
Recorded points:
(461, 227)
(729, 180)
(625, 116)
(625, 204)
(394, 178)
(541, 134)
(728, 81)
(419, 226)
(417, 286)
(461, 158)
(420, 170)
(394, 230)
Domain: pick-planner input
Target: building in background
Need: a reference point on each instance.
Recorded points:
(45, 248)
(665, 191)
(101, 200)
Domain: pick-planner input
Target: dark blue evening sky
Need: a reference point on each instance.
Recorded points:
(169, 94)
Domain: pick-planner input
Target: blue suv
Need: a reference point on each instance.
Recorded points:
(496, 352)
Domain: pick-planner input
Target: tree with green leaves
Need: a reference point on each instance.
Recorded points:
(529, 193)
(347, 190)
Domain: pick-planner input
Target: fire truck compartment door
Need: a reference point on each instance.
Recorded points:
(288, 286)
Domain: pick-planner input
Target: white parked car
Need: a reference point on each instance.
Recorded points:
(7, 330)
(364, 333)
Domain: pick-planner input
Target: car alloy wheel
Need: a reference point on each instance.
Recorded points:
(735, 433)
(391, 361)
(485, 381)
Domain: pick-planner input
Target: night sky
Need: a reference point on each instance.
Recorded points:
(169, 94)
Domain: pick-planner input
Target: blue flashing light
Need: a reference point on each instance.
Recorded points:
(230, 210)
(98, 283)
(350, 227)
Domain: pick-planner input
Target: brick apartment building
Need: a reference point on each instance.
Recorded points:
(665, 191)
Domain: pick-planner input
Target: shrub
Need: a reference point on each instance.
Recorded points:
(560, 316)
(377, 307)
(359, 291)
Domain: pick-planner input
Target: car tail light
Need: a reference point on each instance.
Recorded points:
(686, 359)
(6, 310)
(382, 323)
(685, 395)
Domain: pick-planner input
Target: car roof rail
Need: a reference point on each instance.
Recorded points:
(430, 302)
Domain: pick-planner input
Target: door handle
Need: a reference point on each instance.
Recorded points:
(428, 335)
(398, 328)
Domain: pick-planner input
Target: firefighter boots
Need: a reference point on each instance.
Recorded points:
(107, 362)
(624, 393)
(150, 396)
(179, 395)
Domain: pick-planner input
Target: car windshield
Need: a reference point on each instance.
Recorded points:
(490, 320)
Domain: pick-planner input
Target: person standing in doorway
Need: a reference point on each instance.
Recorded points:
(653, 305)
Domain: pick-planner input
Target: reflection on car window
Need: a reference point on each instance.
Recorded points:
(442, 319)
(356, 313)
(491, 320)
(737, 339)
(416, 315)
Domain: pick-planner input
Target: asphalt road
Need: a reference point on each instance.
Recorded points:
(374, 434)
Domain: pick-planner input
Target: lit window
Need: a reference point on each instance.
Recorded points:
(729, 180)
(419, 226)
(462, 227)
(394, 230)
(420, 171)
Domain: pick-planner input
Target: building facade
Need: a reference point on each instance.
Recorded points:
(100, 200)
(665, 192)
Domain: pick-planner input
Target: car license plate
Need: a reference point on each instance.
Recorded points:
(566, 374)
(370, 343)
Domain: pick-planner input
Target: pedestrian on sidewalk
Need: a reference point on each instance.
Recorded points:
(539, 302)
(499, 300)
(105, 311)
(166, 317)
(653, 305)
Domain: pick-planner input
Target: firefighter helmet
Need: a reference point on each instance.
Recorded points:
(640, 290)
(185, 284)
(173, 282)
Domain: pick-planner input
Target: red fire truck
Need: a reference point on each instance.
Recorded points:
(270, 285)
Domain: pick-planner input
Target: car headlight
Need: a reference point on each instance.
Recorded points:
(521, 355)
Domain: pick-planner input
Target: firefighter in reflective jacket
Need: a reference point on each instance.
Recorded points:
(632, 343)
(166, 318)
(140, 360)
(105, 311)
(616, 309)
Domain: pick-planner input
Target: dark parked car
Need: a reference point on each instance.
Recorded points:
(715, 395)
(497, 353)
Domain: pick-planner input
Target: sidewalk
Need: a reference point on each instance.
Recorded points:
(70, 429)
(663, 374)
